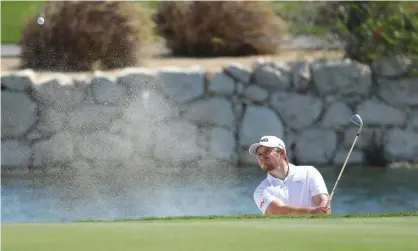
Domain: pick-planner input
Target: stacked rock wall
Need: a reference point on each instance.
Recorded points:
(178, 116)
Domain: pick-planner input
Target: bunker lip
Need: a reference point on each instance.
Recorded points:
(256, 216)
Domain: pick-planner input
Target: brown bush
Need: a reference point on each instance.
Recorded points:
(81, 36)
(230, 28)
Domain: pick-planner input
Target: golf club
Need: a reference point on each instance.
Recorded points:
(356, 119)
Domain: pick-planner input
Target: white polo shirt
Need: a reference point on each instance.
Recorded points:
(297, 189)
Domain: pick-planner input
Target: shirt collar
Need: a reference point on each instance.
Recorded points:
(290, 175)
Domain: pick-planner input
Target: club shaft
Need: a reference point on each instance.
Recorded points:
(345, 163)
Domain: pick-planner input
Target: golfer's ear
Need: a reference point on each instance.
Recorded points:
(283, 153)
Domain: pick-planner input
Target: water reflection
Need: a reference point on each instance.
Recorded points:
(205, 191)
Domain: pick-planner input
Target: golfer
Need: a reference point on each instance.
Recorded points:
(288, 189)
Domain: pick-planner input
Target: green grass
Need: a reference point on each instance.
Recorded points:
(219, 233)
(13, 15)
(293, 12)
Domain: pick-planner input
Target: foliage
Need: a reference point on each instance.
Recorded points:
(373, 30)
(81, 36)
(300, 16)
(209, 29)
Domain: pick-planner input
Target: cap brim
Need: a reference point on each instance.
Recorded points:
(253, 148)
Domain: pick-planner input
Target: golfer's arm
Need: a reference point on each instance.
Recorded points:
(318, 188)
(320, 200)
(277, 207)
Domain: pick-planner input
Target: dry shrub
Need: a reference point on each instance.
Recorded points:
(209, 29)
(82, 35)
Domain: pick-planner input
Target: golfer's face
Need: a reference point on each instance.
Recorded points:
(267, 157)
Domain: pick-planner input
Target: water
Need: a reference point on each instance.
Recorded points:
(70, 196)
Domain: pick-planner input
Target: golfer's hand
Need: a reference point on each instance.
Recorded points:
(321, 210)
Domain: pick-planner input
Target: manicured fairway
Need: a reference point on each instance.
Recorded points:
(13, 15)
(298, 234)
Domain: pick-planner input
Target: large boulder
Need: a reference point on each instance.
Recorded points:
(92, 118)
(182, 85)
(221, 84)
(370, 137)
(401, 145)
(245, 158)
(413, 121)
(337, 115)
(302, 77)
(259, 121)
(18, 81)
(345, 77)
(149, 106)
(18, 114)
(376, 113)
(290, 141)
(401, 92)
(214, 111)
(393, 66)
(238, 72)
(50, 121)
(315, 146)
(176, 142)
(356, 157)
(58, 91)
(58, 150)
(106, 90)
(221, 144)
(272, 74)
(104, 146)
(141, 135)
(15, 153)
(256, 93)
(298, 111)
(137, 79)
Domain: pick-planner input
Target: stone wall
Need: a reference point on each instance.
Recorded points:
(190, 115)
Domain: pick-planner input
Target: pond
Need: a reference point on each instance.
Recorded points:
(66, 196)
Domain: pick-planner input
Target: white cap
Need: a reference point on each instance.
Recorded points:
(268, 141)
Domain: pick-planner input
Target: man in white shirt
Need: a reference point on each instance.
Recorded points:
(288, 189)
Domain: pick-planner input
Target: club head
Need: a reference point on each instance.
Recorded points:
(357, 120)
